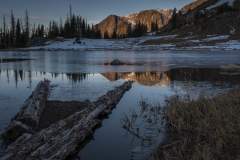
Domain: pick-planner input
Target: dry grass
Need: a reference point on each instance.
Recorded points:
(205, 128)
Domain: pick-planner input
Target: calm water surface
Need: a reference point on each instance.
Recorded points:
(91, 61)
(82, 75)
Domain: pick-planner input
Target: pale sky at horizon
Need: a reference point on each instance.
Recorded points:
(94, 10)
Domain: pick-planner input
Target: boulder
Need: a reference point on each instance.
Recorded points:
(116, 62)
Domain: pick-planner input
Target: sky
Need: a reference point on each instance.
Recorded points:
(43, 11)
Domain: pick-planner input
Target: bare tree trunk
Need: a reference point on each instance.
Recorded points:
(27, 119)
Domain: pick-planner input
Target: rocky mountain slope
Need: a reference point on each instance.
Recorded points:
(192, 5)
(108, 24)
(210, 18)
(145, 17)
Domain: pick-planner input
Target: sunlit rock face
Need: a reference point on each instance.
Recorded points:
(108, 25)
(146, 17)
(143, 78)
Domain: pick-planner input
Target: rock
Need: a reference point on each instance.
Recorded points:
(116, 62)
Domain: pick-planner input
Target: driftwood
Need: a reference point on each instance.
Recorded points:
(27, 119)
(60, 139)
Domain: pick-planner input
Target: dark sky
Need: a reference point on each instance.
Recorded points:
(42, 11)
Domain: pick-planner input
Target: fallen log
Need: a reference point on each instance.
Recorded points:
(27, 119)
(60, 139)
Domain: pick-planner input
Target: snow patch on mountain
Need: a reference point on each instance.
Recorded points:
(220, 2)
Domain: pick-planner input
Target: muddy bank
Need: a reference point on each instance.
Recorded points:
(55, 111)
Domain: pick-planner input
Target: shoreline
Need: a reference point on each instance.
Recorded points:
(110, 49)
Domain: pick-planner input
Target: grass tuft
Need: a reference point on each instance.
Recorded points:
(204, 128)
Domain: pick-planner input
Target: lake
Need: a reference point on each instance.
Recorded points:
(80, 75)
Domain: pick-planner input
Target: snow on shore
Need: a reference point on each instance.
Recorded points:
(163, 43)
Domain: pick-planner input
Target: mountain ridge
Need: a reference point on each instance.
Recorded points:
(187, 15)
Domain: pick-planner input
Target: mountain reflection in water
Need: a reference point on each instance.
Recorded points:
(179, 74)
(142, 78)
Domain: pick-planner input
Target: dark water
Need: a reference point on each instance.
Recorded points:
(81, 75)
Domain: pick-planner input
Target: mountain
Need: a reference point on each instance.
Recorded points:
(108, 24)
(146, 17)
(208, 17)
(200, 11)
(219, 18)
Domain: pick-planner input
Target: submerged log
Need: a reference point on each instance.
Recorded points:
(60, 139)
(27, 119)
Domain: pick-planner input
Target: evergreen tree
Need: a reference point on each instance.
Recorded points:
(89, 32)
(197, 15)
(41, 31)
(33, 31)
(67, 28)
(143, 29)
(129, 31)
(73, 26)
(50, 30)
(54, 30)
(106, 36)
(4, 33)
(1, 38)
(70, 11)
(12, 29)
(92, 32)
(174, 19)
(23, 41)
(98, 34)
(78, 28)
(152, 26)
(61, 28)
(37, 31)
(139, 30)
(114, 34)
(83, 28)
(27, 27)
(156, 25)
(18, 34)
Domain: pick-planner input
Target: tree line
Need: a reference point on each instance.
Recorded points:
(137, 31)
(19, 33)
